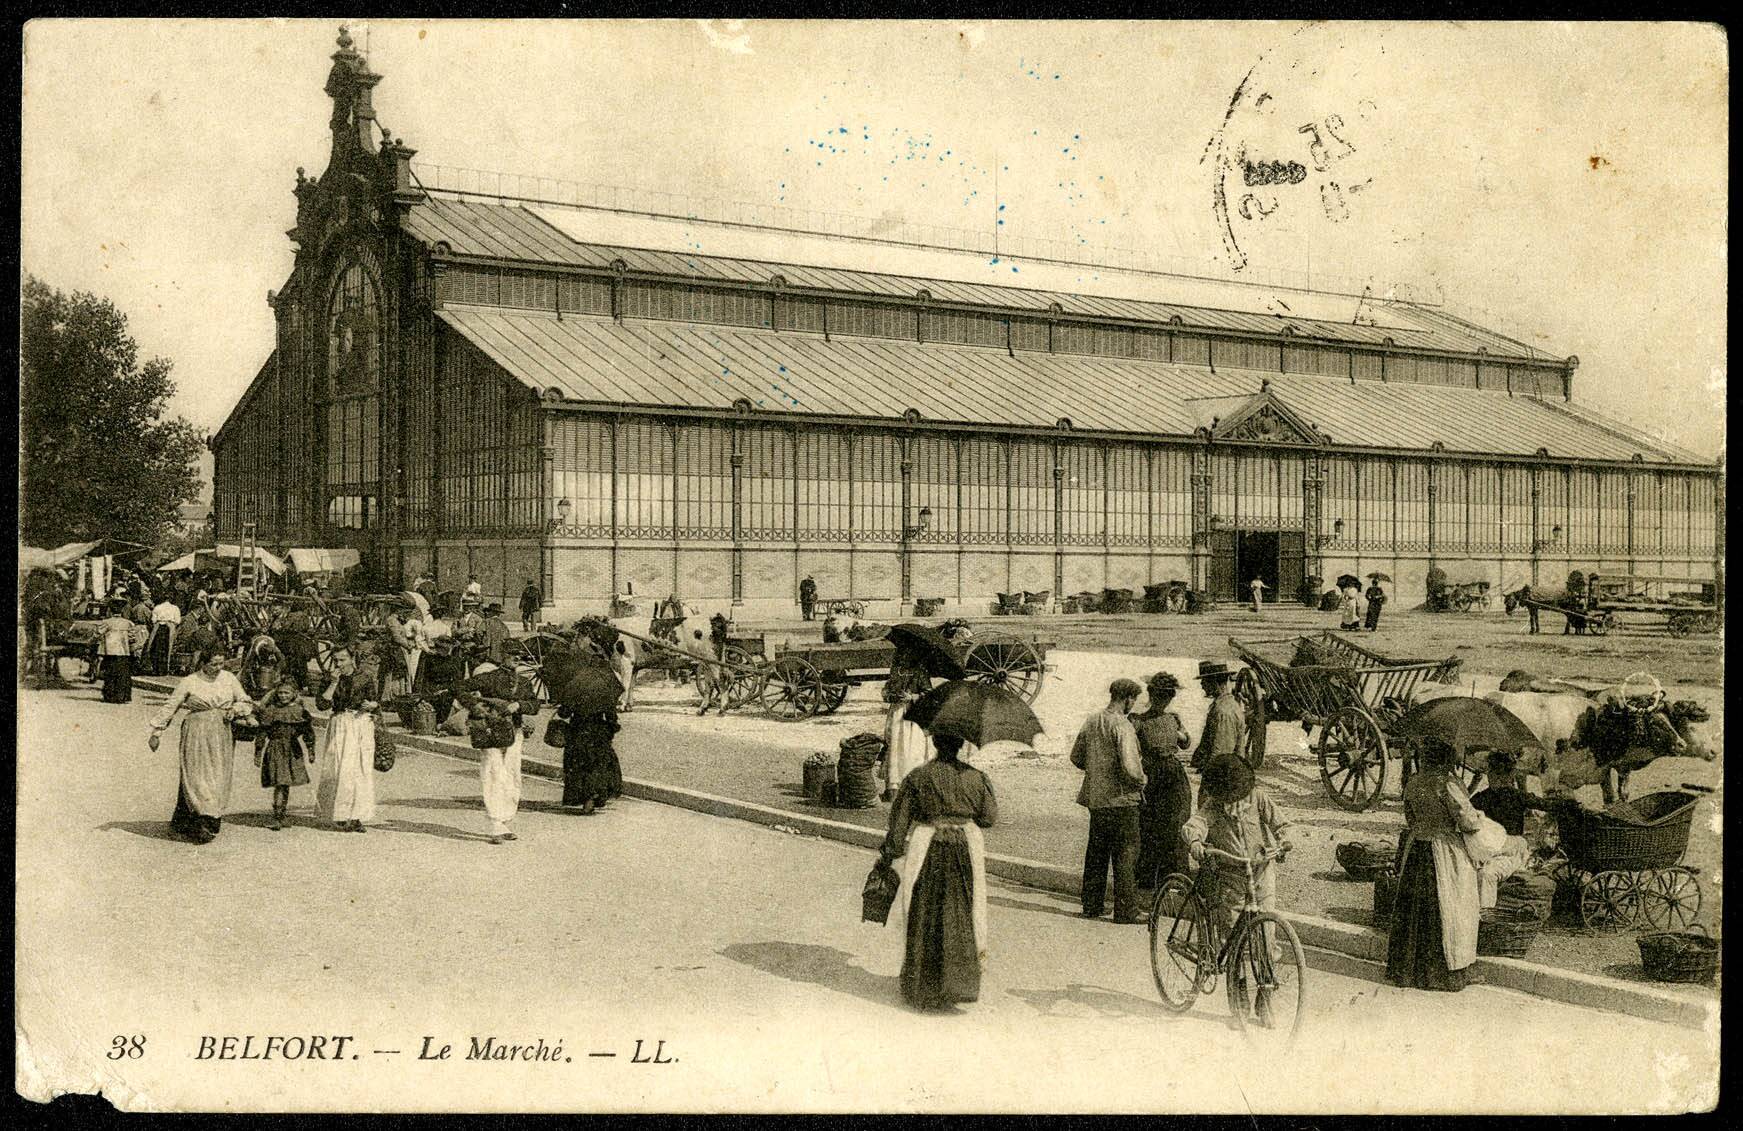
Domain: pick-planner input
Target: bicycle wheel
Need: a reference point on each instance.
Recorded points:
(1179, 947)
(1267, 980)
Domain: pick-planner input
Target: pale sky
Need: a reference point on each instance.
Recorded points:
(1572, 178)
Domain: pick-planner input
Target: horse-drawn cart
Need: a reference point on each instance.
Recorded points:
(814, 679)
(1352, 694)
(1468, 596)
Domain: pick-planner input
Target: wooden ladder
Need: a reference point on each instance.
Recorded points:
(247, 569)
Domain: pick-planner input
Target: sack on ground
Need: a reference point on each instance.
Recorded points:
(385, 747)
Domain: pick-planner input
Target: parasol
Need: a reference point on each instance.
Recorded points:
(980, 713)
(418, 602)
(592, 690)
(1469, 724)
(939, 656)
(1380, 577)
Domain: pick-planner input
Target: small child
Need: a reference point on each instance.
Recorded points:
(285, 732)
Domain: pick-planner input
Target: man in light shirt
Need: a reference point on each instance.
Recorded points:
(1107, 752)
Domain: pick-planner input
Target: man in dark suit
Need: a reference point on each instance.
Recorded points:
(808, 597)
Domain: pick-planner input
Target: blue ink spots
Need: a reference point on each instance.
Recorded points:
(1013, 269)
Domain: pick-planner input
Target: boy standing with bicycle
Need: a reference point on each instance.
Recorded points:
(1237, 827)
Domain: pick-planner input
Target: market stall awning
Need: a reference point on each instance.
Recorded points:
(29, 557)
(216, 558)
(316, 560)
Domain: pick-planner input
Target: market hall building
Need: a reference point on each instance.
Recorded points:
(462, 386)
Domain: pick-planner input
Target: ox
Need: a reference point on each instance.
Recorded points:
(700, 638)
(1600, 741)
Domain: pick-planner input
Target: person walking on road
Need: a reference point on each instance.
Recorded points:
(1225, 725)
(497, 731)
(1258, 587)
(1106, 751)
(115, 651)
(1167, 802)
(934, 830)
(346, 795)
(286, 742)
(213, 698)
(808, 597)
(530, 600)
(166, 617)
(1376, 600)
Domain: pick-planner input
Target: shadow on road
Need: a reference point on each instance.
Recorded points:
(291, 820)
(1026, 905)
(1105, 1003)
(824, 966)
(427, 828)
(151, 830)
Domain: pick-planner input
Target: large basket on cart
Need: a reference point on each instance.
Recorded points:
(1350, 693)
(1626, 861)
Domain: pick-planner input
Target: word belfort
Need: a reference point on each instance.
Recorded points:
(253, 1047)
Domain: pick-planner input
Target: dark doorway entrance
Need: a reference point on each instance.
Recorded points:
(1256, 556)
(1276, 557)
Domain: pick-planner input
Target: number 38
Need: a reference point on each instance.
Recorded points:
(127, 1048)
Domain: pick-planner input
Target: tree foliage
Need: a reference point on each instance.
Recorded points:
(98, 457)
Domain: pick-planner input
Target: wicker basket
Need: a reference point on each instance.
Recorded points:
(1502, 934)
(1385, 892)
(1680, 956)
(817, 774)
(1364, 860)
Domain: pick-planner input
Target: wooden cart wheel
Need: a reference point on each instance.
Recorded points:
(1707, 622)
(1680, 625)
(1601, 625)
(1352, 759)
(529, 664)
(1609, 901)
(1464, 602)
(1670, 899)
(748, 677)
(833, 694)
(1252, 697)
(793, 688)
(1006, 661)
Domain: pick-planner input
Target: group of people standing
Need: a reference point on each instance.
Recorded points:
(1137, 791)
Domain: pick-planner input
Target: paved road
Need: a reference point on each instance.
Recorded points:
(738, 946)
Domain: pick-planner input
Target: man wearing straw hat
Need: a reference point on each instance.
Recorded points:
(1225, 725)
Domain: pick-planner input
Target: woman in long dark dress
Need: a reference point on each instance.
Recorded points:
(1432, 941)
(592, 775)
(116, 648)
(935, 826)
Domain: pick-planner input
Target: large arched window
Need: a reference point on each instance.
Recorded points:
(353, 406)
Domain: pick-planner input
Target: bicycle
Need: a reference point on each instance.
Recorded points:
(1190, 948)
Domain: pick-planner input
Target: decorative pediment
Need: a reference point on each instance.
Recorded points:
(1267, 419)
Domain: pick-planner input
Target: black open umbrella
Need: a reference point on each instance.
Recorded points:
(939, 655)
(1468, 723)
(1379, 577)
(980, 713)
(592, 690)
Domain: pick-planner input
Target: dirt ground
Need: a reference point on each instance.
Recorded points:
(750, 756)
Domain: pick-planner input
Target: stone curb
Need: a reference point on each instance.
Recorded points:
(1332, 946)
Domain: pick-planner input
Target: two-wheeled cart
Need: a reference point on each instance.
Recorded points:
(1350, 693)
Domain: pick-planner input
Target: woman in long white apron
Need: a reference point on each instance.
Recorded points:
(499, 767)
(346, 794)
(212, 697)
(906, 745)
(940, 907)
